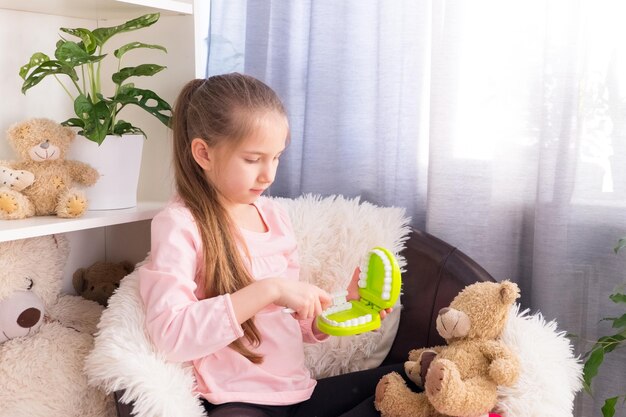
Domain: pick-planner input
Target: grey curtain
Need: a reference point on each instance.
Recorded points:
(351, 78)
(499, 125)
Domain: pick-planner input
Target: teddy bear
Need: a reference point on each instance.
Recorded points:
(44, 336)
(98, 281)
(42, 182)
(460, 378)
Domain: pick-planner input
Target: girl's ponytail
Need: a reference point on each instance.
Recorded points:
(221, 108)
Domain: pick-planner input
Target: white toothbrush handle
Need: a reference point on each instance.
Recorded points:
(339, 294)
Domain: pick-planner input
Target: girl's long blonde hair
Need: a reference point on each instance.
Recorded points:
(222, 111)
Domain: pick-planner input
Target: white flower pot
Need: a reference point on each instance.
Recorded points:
(118, 160)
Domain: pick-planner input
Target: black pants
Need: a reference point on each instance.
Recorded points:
(348, 395)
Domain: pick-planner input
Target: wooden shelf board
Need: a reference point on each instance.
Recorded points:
(45, 225)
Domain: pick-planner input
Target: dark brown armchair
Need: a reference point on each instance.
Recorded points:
(435, 273)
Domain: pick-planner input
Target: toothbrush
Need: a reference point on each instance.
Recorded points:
(338, 297)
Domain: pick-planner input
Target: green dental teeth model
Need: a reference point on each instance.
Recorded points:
(379, 288)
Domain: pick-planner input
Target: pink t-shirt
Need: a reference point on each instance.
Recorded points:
(187, 326)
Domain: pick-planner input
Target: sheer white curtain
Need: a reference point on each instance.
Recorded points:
(499, 125)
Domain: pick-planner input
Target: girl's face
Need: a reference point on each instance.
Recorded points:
(241, 175)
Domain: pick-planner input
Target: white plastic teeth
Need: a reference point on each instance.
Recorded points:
(386, 290)
(366, 318)
(340, 304)
(337, 308)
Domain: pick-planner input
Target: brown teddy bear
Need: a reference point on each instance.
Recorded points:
(459, 379)
(42, 182)
(100, 280)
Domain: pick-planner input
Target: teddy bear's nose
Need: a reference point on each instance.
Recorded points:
(45, 145)
(28, 318)
(444, 311)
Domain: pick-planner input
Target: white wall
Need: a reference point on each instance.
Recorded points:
(21, 34)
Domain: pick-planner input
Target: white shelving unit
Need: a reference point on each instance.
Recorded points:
(100, 9)
(29, 26)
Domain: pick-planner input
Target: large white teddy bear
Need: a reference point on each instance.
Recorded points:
(44, 336)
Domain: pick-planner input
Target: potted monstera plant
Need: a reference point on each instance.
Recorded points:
(103, 136)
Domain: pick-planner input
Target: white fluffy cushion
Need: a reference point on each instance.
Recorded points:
(124, 358)
(550, 373)
(333, 233)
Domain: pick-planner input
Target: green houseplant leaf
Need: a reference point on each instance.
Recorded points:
(35, 60)
(73, 54)
(89, 40)
(46, 68)
(620, 244)
(96, 118)
(147, 100)
(608, 409)
(618, 298)
(594, 358)
(140, 70)
(104, 34)
(122, 127)
(135, 45)
(97, 113)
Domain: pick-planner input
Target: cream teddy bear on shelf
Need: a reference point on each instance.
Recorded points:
(42, 182)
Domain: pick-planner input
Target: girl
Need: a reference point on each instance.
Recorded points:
(224, 264)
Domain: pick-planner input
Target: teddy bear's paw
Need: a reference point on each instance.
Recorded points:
(450, 395)
(90, 176)
(423, 364)
(412, 371)
(14, 205)
(73, 206)
(15, 179)
(394, 399)
(442, 378)
(381, 388)
(416, 370)
(387, 384)
(8, 203)
(504, 372)
(379, 394)
(434, 378)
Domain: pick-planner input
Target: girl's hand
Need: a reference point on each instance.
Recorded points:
(353, 292)
(307, 300)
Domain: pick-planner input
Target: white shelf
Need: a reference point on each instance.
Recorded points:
(100, 9)
(46, 225)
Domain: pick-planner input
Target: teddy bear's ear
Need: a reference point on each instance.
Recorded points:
(61, 243)
(57, 240)
(129, 267)
(509, 292)
(78, 280)
(69, 132)
(19, 130)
